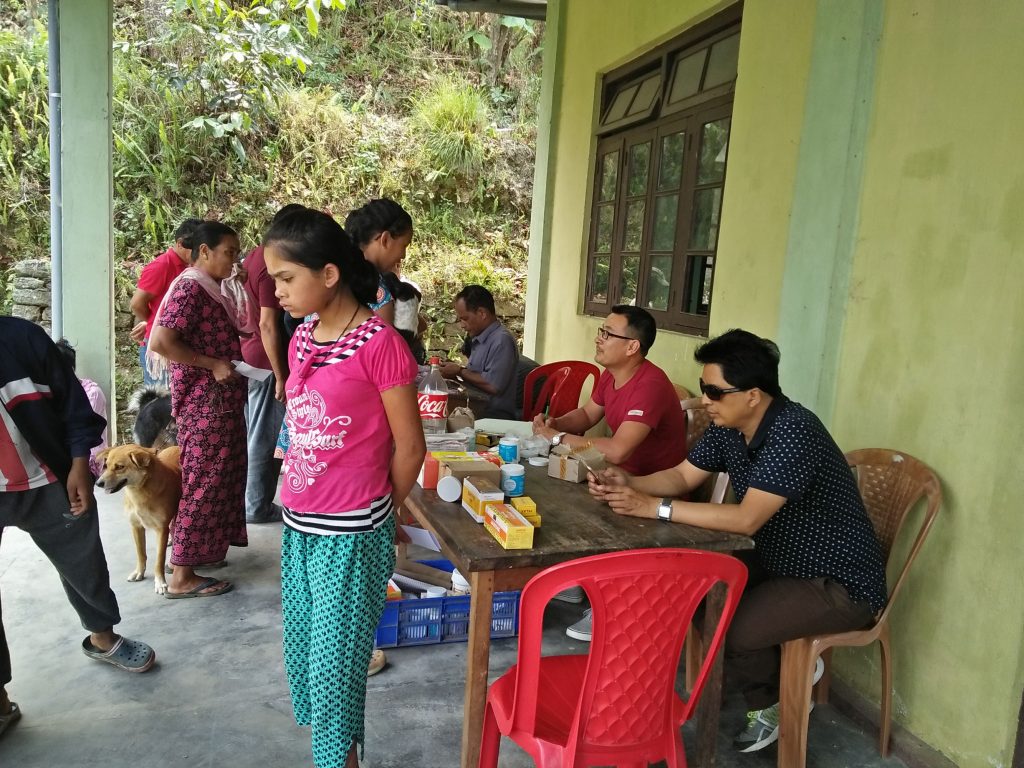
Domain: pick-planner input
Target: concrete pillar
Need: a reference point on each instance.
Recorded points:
(86, 161)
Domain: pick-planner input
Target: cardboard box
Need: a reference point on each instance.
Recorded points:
(512, 530)
(566, 468)
(488, 439)
(477, 493)
(463, 468)
(527, 507)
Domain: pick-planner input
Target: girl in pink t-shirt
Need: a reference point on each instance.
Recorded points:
(356, 447)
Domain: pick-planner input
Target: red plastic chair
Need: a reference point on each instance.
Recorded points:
(560, 392)
(616, 705)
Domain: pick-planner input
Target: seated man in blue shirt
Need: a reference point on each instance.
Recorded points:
(493, 355)
(817, 566)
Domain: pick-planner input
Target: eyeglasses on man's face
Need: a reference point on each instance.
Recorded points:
(603, 334)
(716, 393)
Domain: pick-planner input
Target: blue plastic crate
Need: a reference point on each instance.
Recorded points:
(442, 619)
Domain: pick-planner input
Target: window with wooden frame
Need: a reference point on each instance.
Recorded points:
(659, 178)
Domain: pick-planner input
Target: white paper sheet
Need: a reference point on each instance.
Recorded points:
(251, 371)
(422, 538)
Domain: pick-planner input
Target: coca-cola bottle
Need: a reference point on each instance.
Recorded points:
(433, 400)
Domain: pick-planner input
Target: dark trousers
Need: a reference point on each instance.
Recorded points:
(774, 610)
(74, 548)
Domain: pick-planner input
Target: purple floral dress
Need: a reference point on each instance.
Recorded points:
(211, 431)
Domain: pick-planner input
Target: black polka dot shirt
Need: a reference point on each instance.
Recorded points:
(823, 529)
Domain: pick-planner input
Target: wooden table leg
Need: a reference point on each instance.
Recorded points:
(478, 656)
(710, 704)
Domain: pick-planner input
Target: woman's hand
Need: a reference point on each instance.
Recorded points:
(222, 370)
(606, 480)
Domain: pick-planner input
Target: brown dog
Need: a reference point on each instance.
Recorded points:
(152, 483)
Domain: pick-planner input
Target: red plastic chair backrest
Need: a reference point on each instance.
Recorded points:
(562, 384)
(642, 602)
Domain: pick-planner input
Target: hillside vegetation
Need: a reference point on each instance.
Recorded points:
(229, 110)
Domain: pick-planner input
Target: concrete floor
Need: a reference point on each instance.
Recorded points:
(218, 697)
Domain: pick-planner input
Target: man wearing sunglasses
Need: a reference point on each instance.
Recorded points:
(816, 567)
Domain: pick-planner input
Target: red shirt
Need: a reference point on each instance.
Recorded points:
(156, 278)
(260, 287)
(649, 398)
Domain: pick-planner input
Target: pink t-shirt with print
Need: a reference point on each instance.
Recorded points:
(339, 459)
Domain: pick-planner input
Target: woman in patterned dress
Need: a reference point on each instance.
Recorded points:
(356, 446)
(197, 330)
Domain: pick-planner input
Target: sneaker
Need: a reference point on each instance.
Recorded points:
(819, 670)
(581, 629)
(377, 662)
(273, 516)
(761, 731)
(571, 595)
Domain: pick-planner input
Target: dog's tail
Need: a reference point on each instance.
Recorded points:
(145, 395)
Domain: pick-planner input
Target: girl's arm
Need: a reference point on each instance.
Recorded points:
(407, 430)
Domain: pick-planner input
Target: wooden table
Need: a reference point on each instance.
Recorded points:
(574, 525)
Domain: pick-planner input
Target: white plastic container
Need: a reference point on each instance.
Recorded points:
(508, 449)
(449, 488)
(513, 479)
(459, 584)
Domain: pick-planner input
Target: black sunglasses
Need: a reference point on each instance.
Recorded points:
(716, 393)
(603, 333)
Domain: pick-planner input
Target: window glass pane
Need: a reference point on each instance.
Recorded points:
(605, 225)
(609, 176)
(707, 205)
(698, 300)
(722, 63)
(599, 283)
(714, 145)
(658, 281)
(630, 271)
(634, 226)
(670, 163)
(639, 162)
(645, 98)
(686, 77)
(666, 208)
(620, 104)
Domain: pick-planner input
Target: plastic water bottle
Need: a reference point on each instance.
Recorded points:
(433, 400)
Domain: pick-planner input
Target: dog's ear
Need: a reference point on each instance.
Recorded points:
(142, 457)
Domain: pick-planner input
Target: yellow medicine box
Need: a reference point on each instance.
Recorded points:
(478, 492)
(527, 507)
(511, 529)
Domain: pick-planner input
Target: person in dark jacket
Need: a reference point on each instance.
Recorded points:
(47, 428)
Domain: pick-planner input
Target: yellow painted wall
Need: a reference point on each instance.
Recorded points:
(775, 44)
(933, 356)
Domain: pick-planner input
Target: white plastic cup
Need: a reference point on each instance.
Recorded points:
(449, 488)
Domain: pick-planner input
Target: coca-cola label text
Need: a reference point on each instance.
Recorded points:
(432, 405)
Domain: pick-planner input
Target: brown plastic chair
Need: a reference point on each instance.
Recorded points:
(891, 483)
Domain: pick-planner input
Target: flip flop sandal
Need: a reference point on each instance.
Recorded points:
(6, 721)
(129, 655)
(197, 591)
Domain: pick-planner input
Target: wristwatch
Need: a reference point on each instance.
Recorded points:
(557, 439)
(665, 510)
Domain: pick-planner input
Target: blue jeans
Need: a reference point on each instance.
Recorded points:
(147, 380)
(263, 417)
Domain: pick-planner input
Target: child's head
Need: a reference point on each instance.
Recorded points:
(181, 234)
(383, 231)
(311, 258)
(68, 352)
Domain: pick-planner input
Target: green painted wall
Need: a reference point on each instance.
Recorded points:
(86, 160)
(922, 323)
(775, 50)
(933, 353)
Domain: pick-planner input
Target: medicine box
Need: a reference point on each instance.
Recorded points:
(566, 468)
(477, 493)
(527, 507)
(512, 530)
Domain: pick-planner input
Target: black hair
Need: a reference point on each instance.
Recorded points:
(67, 351)
(641, 322)
(284, 210)
(381, 215)
(186, 228)
(747, 361)
(476, 297)
(313, 240)
(208, 233)
(400, 289)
